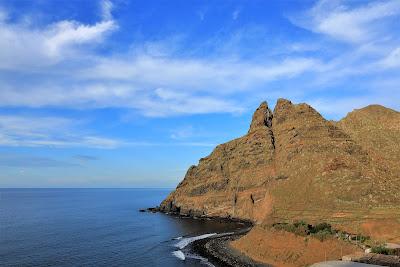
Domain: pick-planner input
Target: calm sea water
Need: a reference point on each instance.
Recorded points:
(94, 227)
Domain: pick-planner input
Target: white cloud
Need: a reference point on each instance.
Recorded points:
(65, 34)
(182, 132)
(106, 9)
(198, 74)
(58, 132)
(25, 161)
(29, 126)
(392, 60)
(72, 141)
(157, 80)
(166, 102)
(26, 47)
(156, 86)
(370, 50)
(3, 15)
(157, 102)
(47, 131)
(85, 158)
(172, 144)
(350, 24)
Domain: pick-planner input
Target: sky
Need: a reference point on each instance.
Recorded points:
(120, 93)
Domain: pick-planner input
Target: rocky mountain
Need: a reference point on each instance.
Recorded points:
(294, 164)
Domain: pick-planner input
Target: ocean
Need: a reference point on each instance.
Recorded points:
(96, 227)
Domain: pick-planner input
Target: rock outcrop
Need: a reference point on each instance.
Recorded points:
(232, 180)
(294, 164)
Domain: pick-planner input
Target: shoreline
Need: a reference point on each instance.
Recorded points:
(216, 249)
(247, 223)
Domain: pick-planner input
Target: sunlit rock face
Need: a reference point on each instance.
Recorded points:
(294, 164)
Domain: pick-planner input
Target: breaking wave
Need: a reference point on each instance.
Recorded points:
(187, 240)
(179, 254)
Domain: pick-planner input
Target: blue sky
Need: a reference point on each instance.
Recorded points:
(131, 93)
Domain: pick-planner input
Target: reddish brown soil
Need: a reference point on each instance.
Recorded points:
(281, 248)
(386, 229)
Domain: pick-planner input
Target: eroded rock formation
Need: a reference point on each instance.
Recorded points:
(294, 164)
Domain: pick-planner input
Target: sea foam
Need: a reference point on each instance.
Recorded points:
(186, 241)
(179, 254)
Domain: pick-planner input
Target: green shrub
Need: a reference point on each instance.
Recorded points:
(322, 227)
(342, 235)
(382, 250)
(287, 227)
(300, 224)
(362, 238)
(322, 235)
(321, 231)
(300, 228)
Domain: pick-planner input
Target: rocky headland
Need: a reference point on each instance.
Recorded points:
(295, 165)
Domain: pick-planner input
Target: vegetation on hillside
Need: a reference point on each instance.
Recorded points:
(323, 231)
(380, 249)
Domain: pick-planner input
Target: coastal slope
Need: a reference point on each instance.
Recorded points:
(295, 165)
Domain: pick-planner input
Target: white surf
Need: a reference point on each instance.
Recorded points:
(179, 254)
(187, 240)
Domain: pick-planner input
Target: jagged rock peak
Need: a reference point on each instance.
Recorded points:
(285, 108)
(282, 104)
(262, 117)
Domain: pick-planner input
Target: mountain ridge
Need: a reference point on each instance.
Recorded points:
(294, 164)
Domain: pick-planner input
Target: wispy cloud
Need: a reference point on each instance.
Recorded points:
(65, 34)
(168, 144)
(48, 131)
(366, 28)
(3, 15)
(58, 132)
(182, 132)
(156, 86)
(392, 60)
(85, 157)
(26, 47)
(199, 74)
(158, 81)
(113, 61)
(359, 54)
(357, 24)
(106, 10)
(24, 161)
(236, 13)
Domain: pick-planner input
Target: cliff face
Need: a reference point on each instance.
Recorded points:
(232, 180)
(294, 164)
